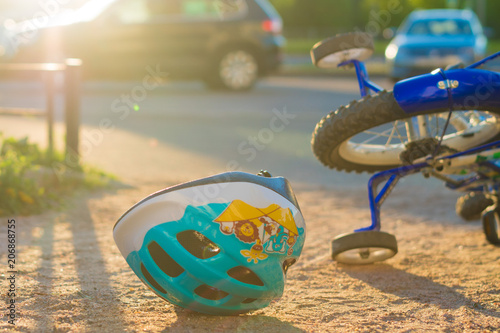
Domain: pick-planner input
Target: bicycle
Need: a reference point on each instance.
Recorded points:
(443, 124)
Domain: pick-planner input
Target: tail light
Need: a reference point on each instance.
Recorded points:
(273, 26)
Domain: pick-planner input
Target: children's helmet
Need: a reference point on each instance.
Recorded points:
(219, 245)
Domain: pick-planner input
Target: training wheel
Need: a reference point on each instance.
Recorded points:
(365, 247)
(470, 206)
(491, 225)
(331, 52)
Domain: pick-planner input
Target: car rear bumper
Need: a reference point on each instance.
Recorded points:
(272, 61)
(421, 65)
(273, 55)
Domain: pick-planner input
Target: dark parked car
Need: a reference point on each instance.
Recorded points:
(429, 39)
(227, 43)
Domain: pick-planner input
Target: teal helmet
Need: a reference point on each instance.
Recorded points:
(219, 245)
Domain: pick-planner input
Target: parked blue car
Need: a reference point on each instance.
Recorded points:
(429, 39)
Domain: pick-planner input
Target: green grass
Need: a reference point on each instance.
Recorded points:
(32, 181)
(493, 46)
(303, 45)
(298, 46)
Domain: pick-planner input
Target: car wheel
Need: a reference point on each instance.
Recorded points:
(236, 70)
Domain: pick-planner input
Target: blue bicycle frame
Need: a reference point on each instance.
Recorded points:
(391, 177)
(440, 89)
(455, 89)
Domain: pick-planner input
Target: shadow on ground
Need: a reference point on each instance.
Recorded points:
(411, 287)
(189, 321)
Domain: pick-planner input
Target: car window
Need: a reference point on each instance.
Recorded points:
(227, 9)
(440, 27)
(220, 9)
(131, 11)
(143, 11)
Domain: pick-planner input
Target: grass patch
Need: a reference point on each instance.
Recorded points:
(493, 46)
(302, 46)
(30, 184)
(299, 46)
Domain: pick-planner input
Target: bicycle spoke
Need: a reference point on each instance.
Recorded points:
(389, 140)
(436, 128)
(389, 133)
(393, 136)
(376, 134)
(399, 134)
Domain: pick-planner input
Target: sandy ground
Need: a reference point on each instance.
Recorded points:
(72, 278)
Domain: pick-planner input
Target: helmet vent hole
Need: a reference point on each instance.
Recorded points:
(210, 293)
(151, 280)
(197, 244)
(165, 262)
(287, 263)
(249, 300)
(245, 275)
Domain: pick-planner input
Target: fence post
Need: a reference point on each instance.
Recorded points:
(72, 110)
(50, 93)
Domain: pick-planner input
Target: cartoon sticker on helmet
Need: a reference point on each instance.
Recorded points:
(271, 229)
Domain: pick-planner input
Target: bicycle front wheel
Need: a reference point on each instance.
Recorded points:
(370, 134)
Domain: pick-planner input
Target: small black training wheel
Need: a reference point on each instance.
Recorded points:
(470, 206)
(491, 225)
(329, 53)
(365, 247)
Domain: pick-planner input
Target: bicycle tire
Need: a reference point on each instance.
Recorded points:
(491, 225)
(470, 206)
(347, 121)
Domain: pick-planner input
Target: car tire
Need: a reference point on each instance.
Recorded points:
(235, 69)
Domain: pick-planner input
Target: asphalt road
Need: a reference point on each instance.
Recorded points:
(267, 128)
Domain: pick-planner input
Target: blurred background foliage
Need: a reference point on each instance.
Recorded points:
(320, 18)
(308, 21)
(307, 18)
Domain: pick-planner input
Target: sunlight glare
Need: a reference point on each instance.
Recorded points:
(92, 9)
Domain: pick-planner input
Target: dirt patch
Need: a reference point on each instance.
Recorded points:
(445, 277)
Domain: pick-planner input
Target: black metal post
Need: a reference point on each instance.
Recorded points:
(72, 110)
(50, 93)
